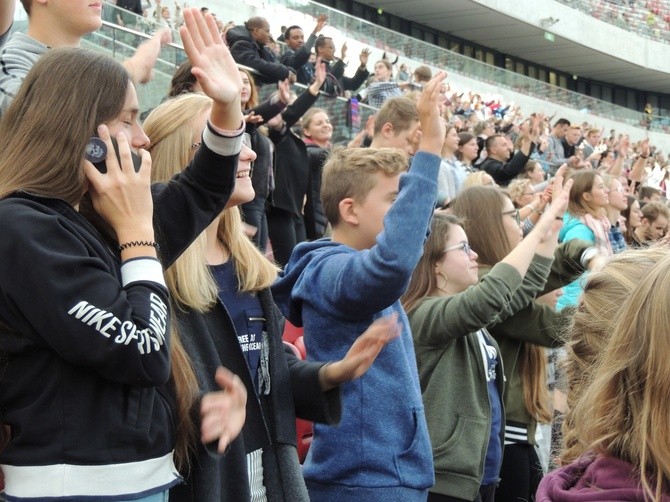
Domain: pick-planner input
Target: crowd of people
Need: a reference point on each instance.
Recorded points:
(648, 18)
(465, 282)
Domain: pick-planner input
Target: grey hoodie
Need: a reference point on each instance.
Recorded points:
(16, 59)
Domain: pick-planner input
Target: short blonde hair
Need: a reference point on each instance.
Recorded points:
(516, 189)
(350, 173)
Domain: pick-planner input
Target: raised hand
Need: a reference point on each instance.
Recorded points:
(343, 51)
(284, 90)
(223, 413)
(214, 67)
(364, 56)
(321, 21)
(432, 124)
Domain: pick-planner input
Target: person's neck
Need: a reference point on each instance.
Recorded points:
(321, 143)
(613, 214)
(344, 235)
(49, 34)
(447, 153)
(216, 252)
(640, 234)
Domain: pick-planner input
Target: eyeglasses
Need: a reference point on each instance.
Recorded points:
(461, 245)
(618, 189)
(515, 214)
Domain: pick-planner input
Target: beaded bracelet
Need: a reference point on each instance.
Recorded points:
(131, 244)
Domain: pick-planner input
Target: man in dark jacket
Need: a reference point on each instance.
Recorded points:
(498, 151)
(247, 45)
(298, 51)
(336, 83)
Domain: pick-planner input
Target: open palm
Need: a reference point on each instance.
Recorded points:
(213, 65)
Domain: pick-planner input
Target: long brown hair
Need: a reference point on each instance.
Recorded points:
(253, 95)
(624, 411)
(583, 182)
(64, 97)
(481, 208)
(423, 282)
(592, 324)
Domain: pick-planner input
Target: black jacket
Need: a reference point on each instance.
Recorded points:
(291, 159)
(336, 83)
(248, 52)
(315, 217)
(298, 61)
(85, 341)
(504, 172)
(211, 341)
(260, 175)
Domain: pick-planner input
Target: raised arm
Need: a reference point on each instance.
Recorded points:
(382, 272)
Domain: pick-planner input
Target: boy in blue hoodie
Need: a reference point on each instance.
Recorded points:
(336, 287)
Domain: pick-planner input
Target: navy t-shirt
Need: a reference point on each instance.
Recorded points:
(494, 449)
(246, 312)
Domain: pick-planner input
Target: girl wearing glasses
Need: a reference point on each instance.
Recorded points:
(491, 224)
(459, 363)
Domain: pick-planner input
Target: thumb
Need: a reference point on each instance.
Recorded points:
(225, 378)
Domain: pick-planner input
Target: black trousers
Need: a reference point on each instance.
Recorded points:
(520, 474)
(286, 231)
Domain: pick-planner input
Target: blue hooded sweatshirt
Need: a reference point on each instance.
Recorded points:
(381, 450)
(573, 228)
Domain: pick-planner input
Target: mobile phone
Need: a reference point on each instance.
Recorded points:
(102, 166)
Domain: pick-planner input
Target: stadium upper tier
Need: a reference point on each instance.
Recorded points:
(649, 19)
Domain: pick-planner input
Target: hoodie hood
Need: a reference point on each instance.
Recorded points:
(236, 34)
(588, 479)
(569, 222)
(292, 278)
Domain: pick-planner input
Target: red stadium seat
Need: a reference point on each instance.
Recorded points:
(291, 332)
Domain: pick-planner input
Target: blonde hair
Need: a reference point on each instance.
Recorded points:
(623, 412)
(351, 173)
(308, 116)
(475, 179)
(593, 322)
(170, 127)
(517, 188)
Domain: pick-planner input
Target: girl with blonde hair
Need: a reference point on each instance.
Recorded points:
(620, 422)
(226, 317)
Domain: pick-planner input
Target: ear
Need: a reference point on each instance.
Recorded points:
(388, 130)
(587, 196)
(348, 211)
